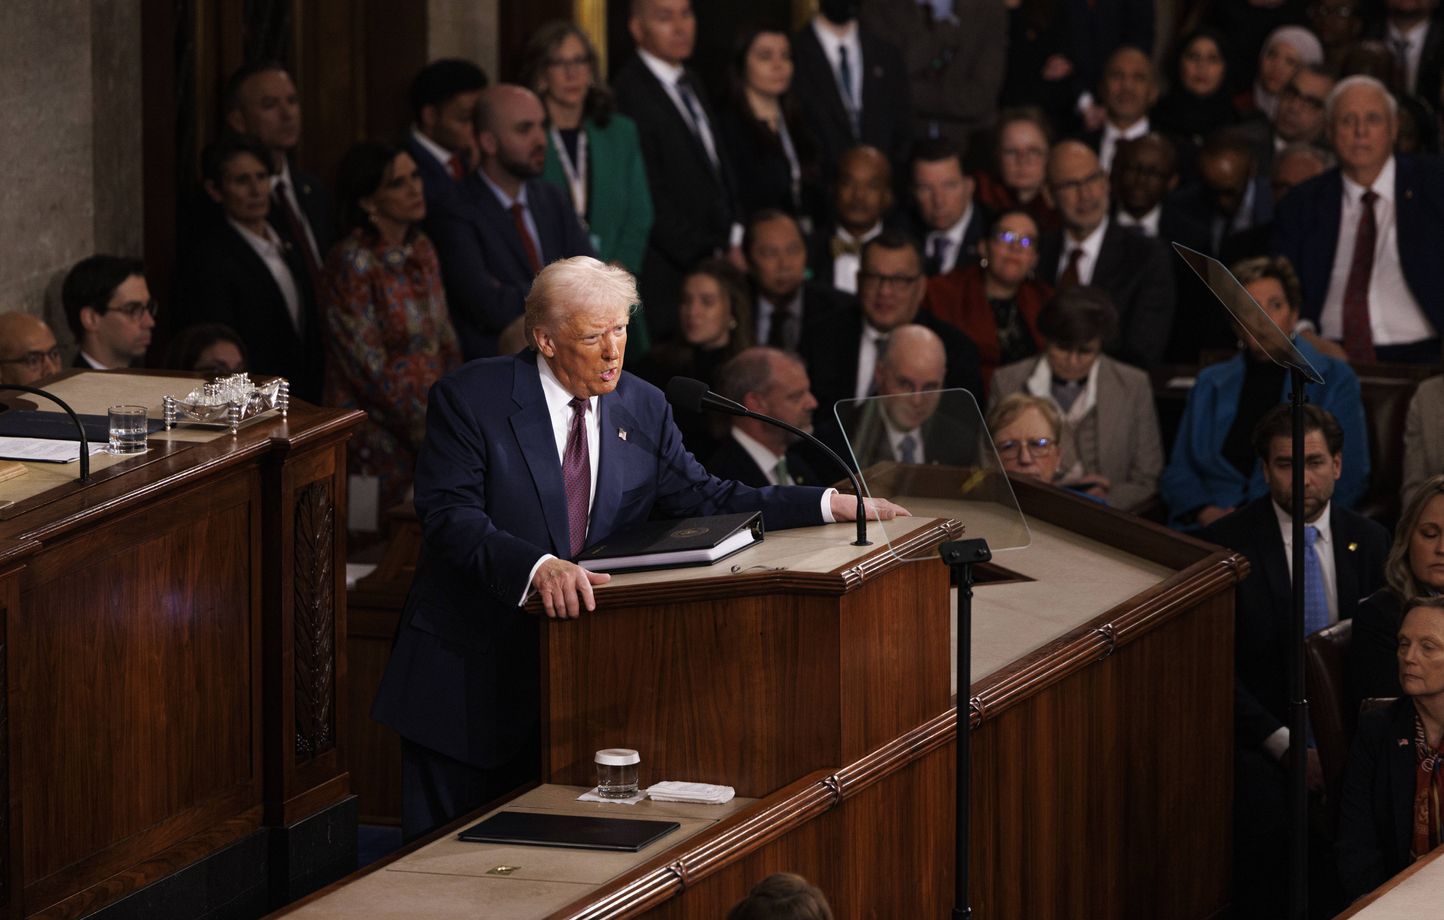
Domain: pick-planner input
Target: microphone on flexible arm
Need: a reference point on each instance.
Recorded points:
(694, 396)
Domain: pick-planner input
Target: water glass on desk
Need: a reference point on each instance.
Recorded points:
(127, 429)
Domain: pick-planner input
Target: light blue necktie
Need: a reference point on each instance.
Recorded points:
(908, 448)
(1316, 605)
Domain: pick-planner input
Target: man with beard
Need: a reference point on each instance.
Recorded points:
(505, 225)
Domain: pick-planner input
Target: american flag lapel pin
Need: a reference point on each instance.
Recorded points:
(1403, 742)
(622, 433)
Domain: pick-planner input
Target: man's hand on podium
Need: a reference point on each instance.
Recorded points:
(844, 508)
(566, 587)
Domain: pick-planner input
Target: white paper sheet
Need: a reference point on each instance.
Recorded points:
(44, 450)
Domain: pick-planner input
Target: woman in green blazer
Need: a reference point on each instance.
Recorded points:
(592, 152)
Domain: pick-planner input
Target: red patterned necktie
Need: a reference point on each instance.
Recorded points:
(577, 475)
(1358, 335)
(517, 211)
(1070, 278)
(458, 172)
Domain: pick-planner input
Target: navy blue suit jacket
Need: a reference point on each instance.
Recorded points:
(1306, 229)
(483, 265)
(463, 677)
(441, 190)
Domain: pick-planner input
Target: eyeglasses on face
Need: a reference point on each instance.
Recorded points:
(1009, 238)
(134, 309)
(567, 65)
(35, 360)
(1037, 446)
(1077, 185)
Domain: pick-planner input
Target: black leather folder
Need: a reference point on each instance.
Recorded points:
(570, 831)
(673, 543)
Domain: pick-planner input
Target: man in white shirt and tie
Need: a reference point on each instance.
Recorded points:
(1129, 89)
(862, 198)
(951, 223)
(1417, 41)
(771, 382)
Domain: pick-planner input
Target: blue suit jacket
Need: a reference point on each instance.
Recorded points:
(463, 677)
(1306, 229)
(483, 264)
(1198, 474)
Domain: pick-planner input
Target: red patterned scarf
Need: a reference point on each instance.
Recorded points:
(1428, 791)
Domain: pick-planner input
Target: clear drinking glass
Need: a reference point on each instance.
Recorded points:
(127, 429)
(617, 770)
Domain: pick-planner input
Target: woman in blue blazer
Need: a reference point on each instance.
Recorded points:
(1213, 468)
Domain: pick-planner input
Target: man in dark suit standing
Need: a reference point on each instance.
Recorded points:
(1364, 237)
(528, 458)
(505, 225)
(949, 221)
(853, 87)
(1344, 563)
(783, 302)
(1092, 249)
(442, 139)
(693, 192)
(755, 453)
(245, 275)
(1415, 35)
(261, 100)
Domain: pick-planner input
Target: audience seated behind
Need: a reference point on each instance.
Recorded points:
(1095, 31)
(1092, 249)
(784, 300)
(442, 139)
(388, 337)
(212, 349)
(28, 351)
(593, 152)
(694, 190)
(1415, 568)
(1295, 164)
(1389, 307)
(769, 144)
(1020, 159)
(1026, 430)
(246, 277)
(1418, 25)
(1423, 436)
(1281, 56)
(1127, 91)
(782, 896)
(1230, 196)
(1110, 445)
(1345, 565)
(506, 223)
(852, 86)
(862, 201)
(1213, 469)
(996, 302)
(774, 383)
(946, 218)
(1298, 117)
(841, 350)
(1389, 811)
(1199, 103)
(109, 310)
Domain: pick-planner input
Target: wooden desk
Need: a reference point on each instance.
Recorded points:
(170, 656)
(1102, 753)
(1413, 894)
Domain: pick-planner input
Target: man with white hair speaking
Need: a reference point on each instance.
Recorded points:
(529, 458)
(1364, 236)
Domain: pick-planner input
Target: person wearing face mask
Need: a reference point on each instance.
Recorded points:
(1389, 807)
(1213, 468)
(1110, 445)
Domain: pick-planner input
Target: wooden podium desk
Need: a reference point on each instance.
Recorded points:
(817, 686)
(171, 646)
(1413, 894)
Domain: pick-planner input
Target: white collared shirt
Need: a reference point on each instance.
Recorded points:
(285, 176)
(761, 455)
(1395, 317)
(1112, 135)
(1091, 245)
(507, 201)
(668, 75)
(440, 153)
(94, 364)
(845, 266)
(867, 359)
(954, 236)
(1414, 38)
(269, 248)
(832, 46)
(1146, 225)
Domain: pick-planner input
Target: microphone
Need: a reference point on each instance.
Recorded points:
(84, 442)
(694, 396)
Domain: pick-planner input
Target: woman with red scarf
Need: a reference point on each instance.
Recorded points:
(1393, 794)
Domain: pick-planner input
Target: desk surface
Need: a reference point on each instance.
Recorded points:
(1414, 894)
(457, 879)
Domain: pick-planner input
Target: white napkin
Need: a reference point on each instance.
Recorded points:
(696, 793)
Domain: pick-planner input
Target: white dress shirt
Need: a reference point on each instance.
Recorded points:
(1112, 135)
(832, 46)
(1395, 317)
(1146, 225)
(290, 185)
(1412, 43)
(867, 359)
(954, 236)
(1091, 245)
(846, 265)
(761, 455)
(94, 364)
(269, 248)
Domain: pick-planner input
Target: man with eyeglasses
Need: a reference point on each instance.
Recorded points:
(109, 310)
(1090, 248)
(949, 221)
(1300, 119)
(27, 349)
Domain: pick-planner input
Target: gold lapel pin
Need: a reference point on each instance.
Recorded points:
(1353, 547)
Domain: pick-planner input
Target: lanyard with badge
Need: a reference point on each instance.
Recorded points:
(576, 173)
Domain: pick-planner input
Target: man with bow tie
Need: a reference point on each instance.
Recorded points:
(862, 198)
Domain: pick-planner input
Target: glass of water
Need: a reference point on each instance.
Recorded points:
(127, 429)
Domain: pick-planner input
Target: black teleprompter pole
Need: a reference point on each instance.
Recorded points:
(1299, 704)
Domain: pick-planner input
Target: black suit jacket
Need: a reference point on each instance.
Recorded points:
(315, 202)
(483, 265)
(1306, 229)
(1373, 653)
(977, 226)
(1137, 274)
(228, 283)
(693, 202)
(441, 190)
(819, 300)
(1376, 803)
(1431, 59)
(731, 460)
(1263, 603)
(885, 121)
(830, 350)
